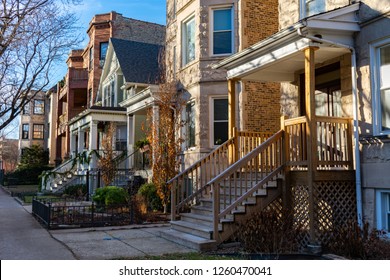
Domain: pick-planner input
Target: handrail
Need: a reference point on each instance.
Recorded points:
(192, 183)
(246, 176)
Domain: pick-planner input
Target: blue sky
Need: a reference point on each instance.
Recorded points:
(147, 10)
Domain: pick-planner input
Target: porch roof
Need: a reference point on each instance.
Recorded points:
(280, 56)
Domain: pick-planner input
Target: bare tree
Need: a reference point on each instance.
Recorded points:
(34, 35)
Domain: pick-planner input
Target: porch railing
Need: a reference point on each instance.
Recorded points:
(333, 146)
(189, 186)
(245, 177)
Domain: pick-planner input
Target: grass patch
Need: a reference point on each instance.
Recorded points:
(22, 188)
(185, 256)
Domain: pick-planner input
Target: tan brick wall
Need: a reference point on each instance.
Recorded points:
(259, 19)
(261, 106)
(260, 102)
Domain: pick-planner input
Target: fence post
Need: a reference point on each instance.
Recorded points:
(49, 216)
(87, 183)
(98, 179)
(92, 213)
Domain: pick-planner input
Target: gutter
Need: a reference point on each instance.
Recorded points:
(355, 119)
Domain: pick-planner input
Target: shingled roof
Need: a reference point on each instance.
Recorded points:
(138, 61)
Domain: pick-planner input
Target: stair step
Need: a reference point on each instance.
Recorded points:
(189, 240)
(194, 229)
(206, 220)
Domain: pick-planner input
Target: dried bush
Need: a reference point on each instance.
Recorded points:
(354, 242)
(270, 231)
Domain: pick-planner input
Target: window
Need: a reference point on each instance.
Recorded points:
(39, 107)
(38, 131)
(188, 34)
(383, 211)
(25, 131)
(220, 120)
(380, 83)
(103, 50)
(26, 109)
(222, 42)
(190, 124)
(90, 67)
(311, 7)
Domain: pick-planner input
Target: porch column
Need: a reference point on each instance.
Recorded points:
(93, 133)
(233, 149)
(72, 144)
(232, 106)
(80, 144)
(130, 139)
(311, 127)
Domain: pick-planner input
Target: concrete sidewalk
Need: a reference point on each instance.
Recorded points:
(23, 238)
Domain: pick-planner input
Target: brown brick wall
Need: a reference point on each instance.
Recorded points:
(259, 20)
(261, 106)
(260, 101)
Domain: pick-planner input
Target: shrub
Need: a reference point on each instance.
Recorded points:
(79, 190)
(148, 192)
(270, 231)
(25, 176)
(353, 242)
(110, 196)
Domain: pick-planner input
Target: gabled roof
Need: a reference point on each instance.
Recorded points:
(138, 61)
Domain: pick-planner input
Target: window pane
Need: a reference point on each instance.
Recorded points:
(222, 20)
(25, 130)
(385, 67)
(220, 132)
(385, 108)
(222, 42)
(220, 109)
(189, 41)
(38, 131)
(39, 107)
(190, 124)
(103, 50)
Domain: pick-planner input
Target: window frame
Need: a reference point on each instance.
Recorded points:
(383, 210)
(212, 119)
(375, 86)
(190, 138)
(40, 107)
(41, 132)
(25, 133)
(184, 26)
(212, 31)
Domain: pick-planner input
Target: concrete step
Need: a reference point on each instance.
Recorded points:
(206, 220)
(189, 240)
(194, 229)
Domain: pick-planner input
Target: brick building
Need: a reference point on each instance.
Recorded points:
(201, 33)
(32, 130)
(78, 90)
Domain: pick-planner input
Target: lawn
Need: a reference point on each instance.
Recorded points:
(186, 256)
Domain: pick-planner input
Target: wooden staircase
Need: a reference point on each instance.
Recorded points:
(213, 212)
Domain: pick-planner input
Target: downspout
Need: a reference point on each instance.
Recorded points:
(359, 202)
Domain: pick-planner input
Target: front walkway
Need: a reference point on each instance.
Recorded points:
(23, 238)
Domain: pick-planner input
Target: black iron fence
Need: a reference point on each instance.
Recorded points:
(61, 213)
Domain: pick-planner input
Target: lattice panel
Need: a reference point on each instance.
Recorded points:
(335, 204)
(301, 211)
